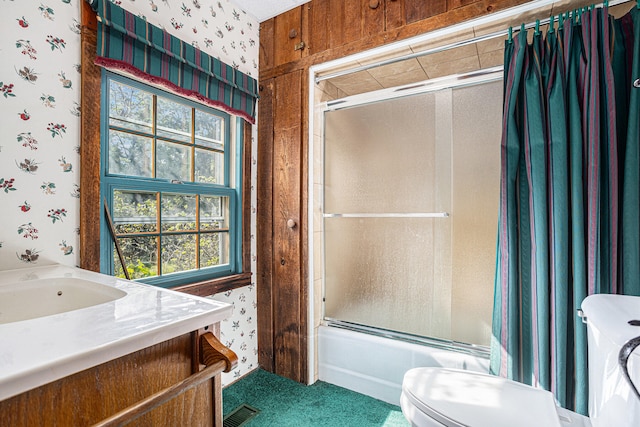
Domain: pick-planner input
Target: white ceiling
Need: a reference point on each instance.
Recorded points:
(265, 9)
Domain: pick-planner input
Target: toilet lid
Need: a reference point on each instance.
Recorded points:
(464, 398)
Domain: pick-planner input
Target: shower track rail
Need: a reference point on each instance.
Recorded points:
(441, 344)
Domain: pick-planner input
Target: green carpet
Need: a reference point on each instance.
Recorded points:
(283, 402)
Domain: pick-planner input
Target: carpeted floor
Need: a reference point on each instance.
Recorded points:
(283, 402)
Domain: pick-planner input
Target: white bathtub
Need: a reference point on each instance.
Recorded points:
(375, 366)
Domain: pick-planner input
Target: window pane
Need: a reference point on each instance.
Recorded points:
(129, 107)
(174, 161)
(140, 256)
(178, 212)
(209, 167)
(174, 120)
(129, 154)
(178, 253)
(214, 249)
(134, 212)
(208, 129)
(213, 213)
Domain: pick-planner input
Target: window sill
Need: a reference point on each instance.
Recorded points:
(215, 286)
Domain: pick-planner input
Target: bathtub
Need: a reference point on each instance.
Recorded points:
(375, 365)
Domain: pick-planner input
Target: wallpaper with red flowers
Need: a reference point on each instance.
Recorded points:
(40, 110)
(40, 131)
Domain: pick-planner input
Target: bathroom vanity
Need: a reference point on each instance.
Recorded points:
(81, 348)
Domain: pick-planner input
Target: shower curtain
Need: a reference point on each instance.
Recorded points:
(569, 221)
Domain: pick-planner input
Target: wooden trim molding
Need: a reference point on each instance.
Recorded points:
(89, 144)
(246, 196)
(215, 286)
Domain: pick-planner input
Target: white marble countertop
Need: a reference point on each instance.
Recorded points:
(37, 351)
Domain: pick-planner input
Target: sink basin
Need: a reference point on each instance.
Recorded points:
(58, 320)
(44, 297)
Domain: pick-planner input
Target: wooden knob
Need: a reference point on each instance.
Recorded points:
(293, 33)
(291, 223)
(373, 4)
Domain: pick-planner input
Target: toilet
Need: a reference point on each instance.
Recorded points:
(436, 397)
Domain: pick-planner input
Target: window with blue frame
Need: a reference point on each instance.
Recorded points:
(171, 179)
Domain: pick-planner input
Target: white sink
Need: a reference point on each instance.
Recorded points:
(56, 321)
(44, 297)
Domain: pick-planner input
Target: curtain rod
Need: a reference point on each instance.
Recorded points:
(446, 47)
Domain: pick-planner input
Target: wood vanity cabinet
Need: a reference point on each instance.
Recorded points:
(90, 396)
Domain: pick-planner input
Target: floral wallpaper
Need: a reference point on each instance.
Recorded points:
(39, 147)
(239, 332)
(39, 104)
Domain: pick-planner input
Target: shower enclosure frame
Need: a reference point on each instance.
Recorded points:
(349, 65)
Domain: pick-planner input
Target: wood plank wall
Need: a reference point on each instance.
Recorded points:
(330, 29)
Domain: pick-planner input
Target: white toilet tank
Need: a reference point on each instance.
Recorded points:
(610, 325)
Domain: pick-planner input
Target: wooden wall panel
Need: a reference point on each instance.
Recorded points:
(372, 17)
(337, 22)
(267, 44)
(454, 4)
(417, 10)
(394, 14)
(286, 225)
(317, 38)
(264, 232)
(354, 18)
(287, 33)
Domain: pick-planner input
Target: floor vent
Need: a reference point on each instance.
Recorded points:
(239, 416)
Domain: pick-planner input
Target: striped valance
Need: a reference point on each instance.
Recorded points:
(129, 43)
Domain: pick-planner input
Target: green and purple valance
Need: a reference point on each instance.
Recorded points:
(129, 43)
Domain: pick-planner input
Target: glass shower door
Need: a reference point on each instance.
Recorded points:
(387, 198)
(397, 251)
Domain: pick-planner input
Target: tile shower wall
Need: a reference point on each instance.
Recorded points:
(39, 147)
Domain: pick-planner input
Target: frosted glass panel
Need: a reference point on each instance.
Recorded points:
(477, 113)
(384, 272)
(381, 157)
(427, 153)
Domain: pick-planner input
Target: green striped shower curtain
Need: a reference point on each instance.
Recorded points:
(569, 222)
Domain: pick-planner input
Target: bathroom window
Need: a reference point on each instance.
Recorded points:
(170, 178)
